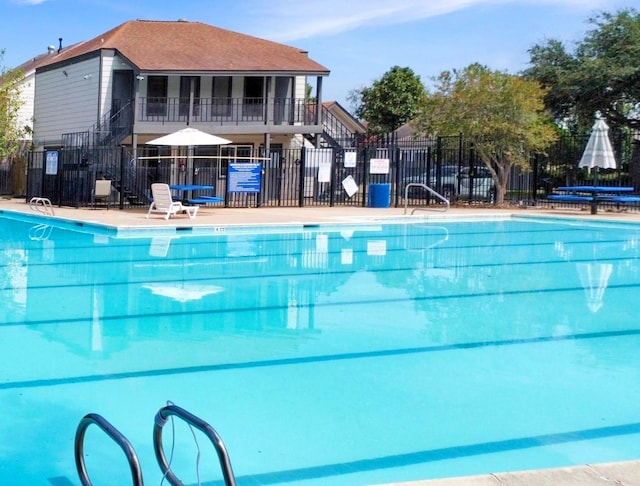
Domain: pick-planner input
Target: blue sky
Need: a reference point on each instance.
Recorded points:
(358, 40)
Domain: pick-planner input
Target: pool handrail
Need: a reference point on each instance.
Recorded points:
(42, 205)
(161, 419)
(111, 431)
(432, 191)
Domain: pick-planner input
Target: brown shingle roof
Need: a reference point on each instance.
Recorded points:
(40, 60)
(194, 46)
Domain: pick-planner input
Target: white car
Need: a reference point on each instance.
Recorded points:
(455, 183)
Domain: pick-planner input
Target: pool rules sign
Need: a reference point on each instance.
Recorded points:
(244, 177)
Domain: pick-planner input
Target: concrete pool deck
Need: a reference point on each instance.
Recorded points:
(216, 215)
(623, 473)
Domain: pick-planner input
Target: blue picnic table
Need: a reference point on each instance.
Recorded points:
(188, 190)
(594, 195)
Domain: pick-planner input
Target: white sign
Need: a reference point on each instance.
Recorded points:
(350, 159)
(324, 172)
(52, 163)
(350, 186)
(379, 166)
(314, 157)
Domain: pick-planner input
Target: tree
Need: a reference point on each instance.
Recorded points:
(601, 75)
(503, 114)
(390, 101)
(10, 103)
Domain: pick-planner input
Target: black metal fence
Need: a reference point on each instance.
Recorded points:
(320, 177)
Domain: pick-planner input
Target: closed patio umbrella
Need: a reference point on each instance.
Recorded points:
(598, 154)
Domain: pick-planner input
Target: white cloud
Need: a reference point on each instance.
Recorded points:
(290, 22)
(29, 2)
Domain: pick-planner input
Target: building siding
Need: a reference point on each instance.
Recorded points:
(66, 103)
(27, 95)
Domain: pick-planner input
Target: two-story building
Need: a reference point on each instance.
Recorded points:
(144, 79)
(172, 74)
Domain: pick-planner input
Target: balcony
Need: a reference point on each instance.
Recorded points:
(228, 111)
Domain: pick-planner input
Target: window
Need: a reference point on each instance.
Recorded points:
(253, 97)
(157, 96)
(221, 96)
(189, 85)
(233, 153)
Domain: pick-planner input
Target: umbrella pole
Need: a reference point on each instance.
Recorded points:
(594, 203)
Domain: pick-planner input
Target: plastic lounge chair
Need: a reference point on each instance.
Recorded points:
(102, 192)
(163, 203)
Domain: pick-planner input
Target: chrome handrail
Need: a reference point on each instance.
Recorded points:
(42, 205)
(111, 431)
(161, 419)
(432, 191)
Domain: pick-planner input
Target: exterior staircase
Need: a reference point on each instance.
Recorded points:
(340, 130)
(99, 151)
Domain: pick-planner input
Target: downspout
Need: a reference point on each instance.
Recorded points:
(100, 101)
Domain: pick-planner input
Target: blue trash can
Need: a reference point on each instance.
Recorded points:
(379, 195)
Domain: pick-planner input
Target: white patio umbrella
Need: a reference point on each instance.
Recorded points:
(598, 154)
(189, 137)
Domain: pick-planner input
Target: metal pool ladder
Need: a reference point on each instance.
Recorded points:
(429, 189)
(111, 431)
(161, 419)
(42, 205)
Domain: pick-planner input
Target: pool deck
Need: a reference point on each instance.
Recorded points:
(623, 473)
(216, 215)
(612, 474)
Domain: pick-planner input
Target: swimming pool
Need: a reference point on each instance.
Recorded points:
(343, 355)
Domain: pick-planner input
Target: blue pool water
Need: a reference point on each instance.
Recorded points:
(342, 355)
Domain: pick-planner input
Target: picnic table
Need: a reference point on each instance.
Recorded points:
(189, 198)
(594, 195)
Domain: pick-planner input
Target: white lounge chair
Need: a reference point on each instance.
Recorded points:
(102, 192)
(164, 204)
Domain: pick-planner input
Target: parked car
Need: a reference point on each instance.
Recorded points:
(454, 183)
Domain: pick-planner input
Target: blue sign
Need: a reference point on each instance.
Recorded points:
(244, 177)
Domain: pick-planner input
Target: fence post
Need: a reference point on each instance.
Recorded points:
(365, 176)
(534, 180)
(301, 178)
(123, 177)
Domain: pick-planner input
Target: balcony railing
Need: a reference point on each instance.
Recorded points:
(225, 111)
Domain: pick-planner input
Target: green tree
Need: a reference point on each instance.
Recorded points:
(600, 75)
(10, 103)
(503, 114)
(390, 101)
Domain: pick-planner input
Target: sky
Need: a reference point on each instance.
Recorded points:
(357, 40)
